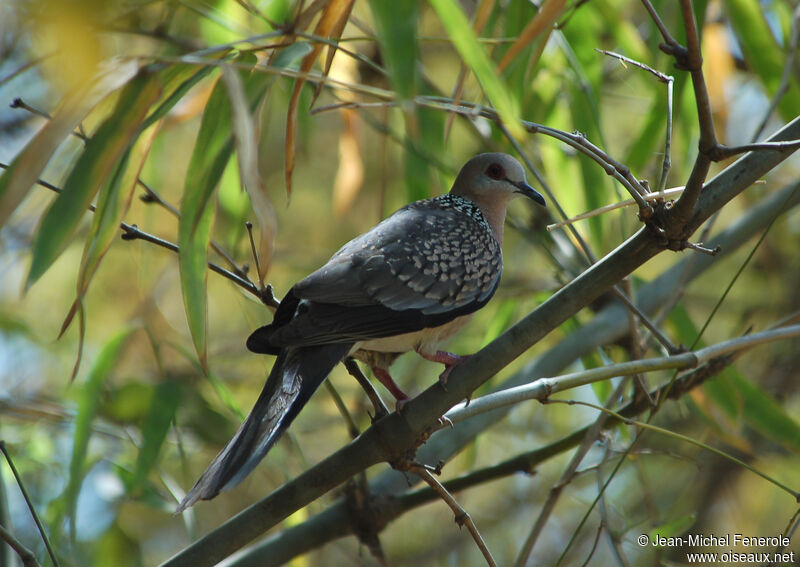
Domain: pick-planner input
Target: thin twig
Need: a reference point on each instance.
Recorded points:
(352, 428)
(471, 110)
(462, 517)
(254, 252)
(594, 545)
(722, 152)
(664, 78)
(569, 472)
(543, 388)
(25, 555)
(634, 310)
(637, 345)
(670, 81)
(614, 538)
(29, 502)
(133, 232)
(613, 206)
(377, 403)
(19, 103)
(150, 195)
(690, 59)
(666, 163)
(28, 65)
(649, 426)
(668, 39)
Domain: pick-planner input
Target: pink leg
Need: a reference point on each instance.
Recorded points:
(449, 360)
(385, 378)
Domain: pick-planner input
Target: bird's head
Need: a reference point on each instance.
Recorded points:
(493, 179)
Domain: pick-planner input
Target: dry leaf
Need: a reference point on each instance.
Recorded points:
(246, 135)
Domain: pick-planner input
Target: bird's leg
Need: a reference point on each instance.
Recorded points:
(449, 360)
(385, 378)
(380, 408)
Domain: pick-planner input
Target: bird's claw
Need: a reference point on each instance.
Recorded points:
(444, 420)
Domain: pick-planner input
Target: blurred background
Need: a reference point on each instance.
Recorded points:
(105, 456)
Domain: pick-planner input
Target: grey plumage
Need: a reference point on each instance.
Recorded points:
(407, 284)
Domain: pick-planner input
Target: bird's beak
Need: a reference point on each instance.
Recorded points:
(528, 191)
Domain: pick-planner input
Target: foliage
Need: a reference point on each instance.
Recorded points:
(219, 112)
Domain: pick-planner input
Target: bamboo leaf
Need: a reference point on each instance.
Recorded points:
(762, 52)
(177, 81)
(211, 153)
(466, 43)
(396, 25)
(246, 138)
(335, 13)
(88, 404)
(29, 164)
(762, 412)
(541, 25)
(154, 430)
(112, 205)
(102, 155)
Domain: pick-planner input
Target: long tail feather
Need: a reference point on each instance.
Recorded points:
(296, 374)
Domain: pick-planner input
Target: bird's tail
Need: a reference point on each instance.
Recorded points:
(296, 374)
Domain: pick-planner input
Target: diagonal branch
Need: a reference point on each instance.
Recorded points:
(392, 436)
(390, 489)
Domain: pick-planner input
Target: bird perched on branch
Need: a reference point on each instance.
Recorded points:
(410, 283)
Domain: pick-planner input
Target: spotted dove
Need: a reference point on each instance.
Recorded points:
(410, 283)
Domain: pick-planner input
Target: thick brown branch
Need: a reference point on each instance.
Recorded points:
(680, 214)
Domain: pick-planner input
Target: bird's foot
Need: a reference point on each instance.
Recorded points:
(401, 404)
(449, 360)
(444, 420)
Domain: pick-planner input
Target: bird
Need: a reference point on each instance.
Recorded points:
(410, 283)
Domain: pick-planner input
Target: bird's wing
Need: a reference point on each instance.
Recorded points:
(422, 267)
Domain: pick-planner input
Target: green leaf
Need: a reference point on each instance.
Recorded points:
(154, 430)
(579, 49)
(212, 151)
(102, 155)
(396, 27)
(112, 204)
(673, 528)
(460, 31)
(762, 412)
(501, 320)
(762, 53)
(29, 164)
(88, 403)
(177, 81)
(516, 14)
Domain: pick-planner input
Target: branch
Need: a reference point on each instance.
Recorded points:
(392, 436)
(133, 232)
(29, 502)
(334, 522)
(543, 388)
(462, 517)
(25, 555)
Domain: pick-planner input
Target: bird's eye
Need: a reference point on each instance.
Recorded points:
(495, 171)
